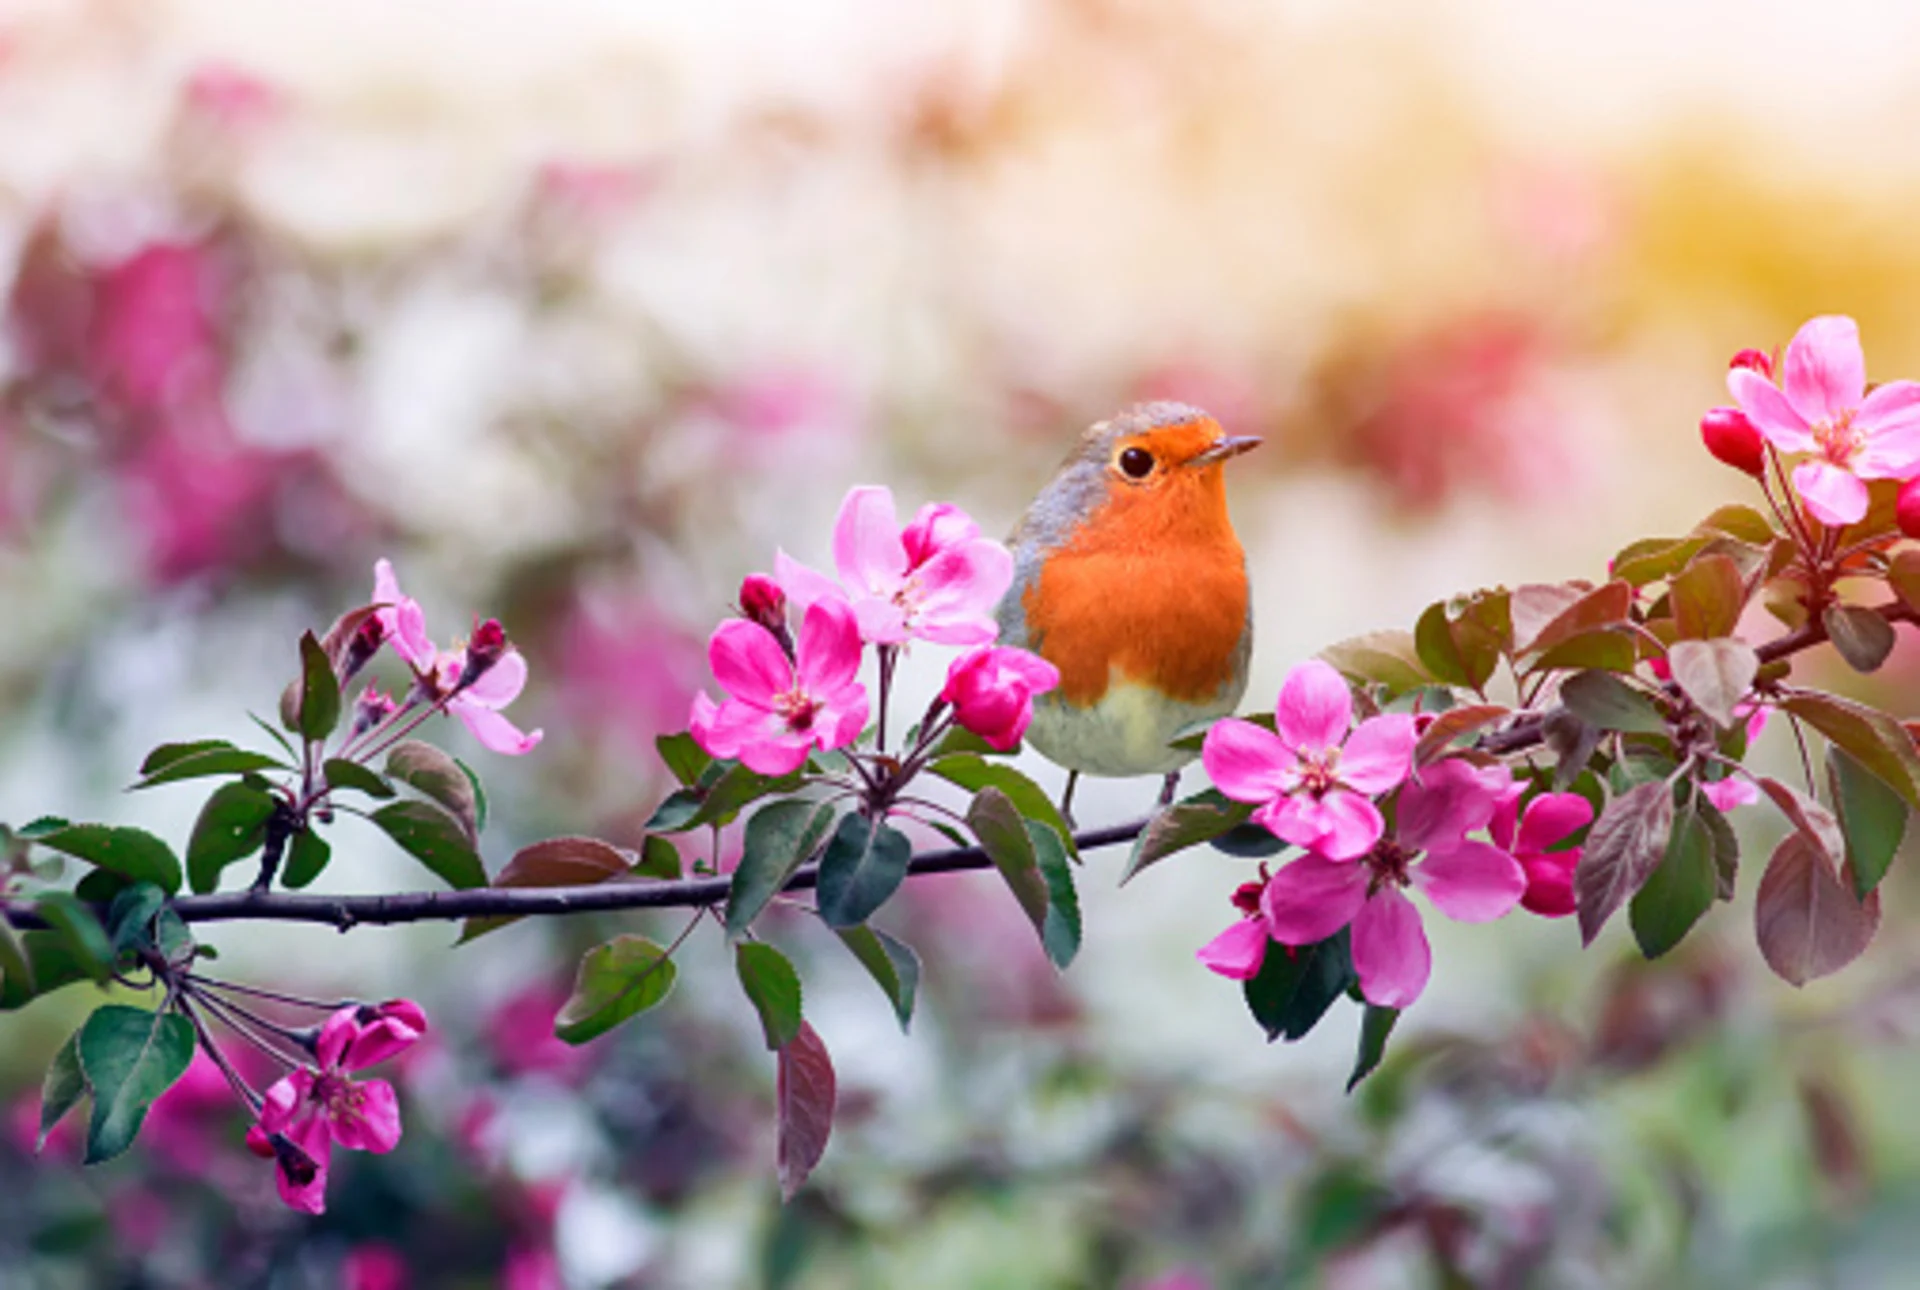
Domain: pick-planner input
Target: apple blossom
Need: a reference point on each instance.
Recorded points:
(991, 689)
(1239, 952)
(778, 710)
(1822, 407)
(475, 681)
(1472, 882)
(935, 580)
(1313, 774)
(1548, 820)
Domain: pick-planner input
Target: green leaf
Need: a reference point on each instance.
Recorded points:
(166, 754)
(1569, 611)
(99, 886)
(659, 858)
(316, 702)
(79, 929)
(15, 966)
(1390, 658)
(232, 825)
(1806, 918)
(428, 770)
(1653, 559)
(1606, 649)
(134, 854)
(1060, 931)
(718, 802)
(201, 760)
(1903, 576)
(1863, 637)
(1875, 740)
(479, 796)
(1708, 596)
(343, 774)
(1248, 842)
(129, 1057)
(773, 987)
(1726, 849)
(975, 773)
(625, 976)
(1603, 700)
(1716, 674)
(434, 838)
(1742, 522)
(1872, 817)
(1375, 1025)
(555, 862)
(959, 739)
(1679, 890)
(61, 1090)
(894, 966)
(1297, 984)
(1623, 847)
(780, 837)
(864, 864)
(683, 757)
(675, 812)
(1482, 627)
(1433, 641)
(1003, 835)
(1200, 818)
(54, 963)
(129, 920)
(307, 855)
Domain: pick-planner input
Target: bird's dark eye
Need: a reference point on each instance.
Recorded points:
(1137, 463)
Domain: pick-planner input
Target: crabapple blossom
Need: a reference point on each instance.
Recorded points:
(1314, 773)
(778, 709)
(991, 689)
(1468, 881)
(475, 681)
(1822, 407)
(1732, 440)
(936, 580)
(1239, 952)
(1526, 836)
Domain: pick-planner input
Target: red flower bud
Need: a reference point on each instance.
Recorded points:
(1731, 438)
(1906, 508)
(487, 647)
(762, 601)
(364, 645)
(1754, 361)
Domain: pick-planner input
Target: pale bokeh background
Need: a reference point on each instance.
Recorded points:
(579, 310)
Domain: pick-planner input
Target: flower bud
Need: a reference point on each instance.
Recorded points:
(364, 645)
(488, 646)
(371, 708)
(762, 601)
(1753, 360)
(1731, 438)
(1906, 508)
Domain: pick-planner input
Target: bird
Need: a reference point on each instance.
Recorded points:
(1129, 578)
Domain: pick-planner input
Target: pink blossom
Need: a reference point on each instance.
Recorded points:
(1239, 952)
(1731, 438)
(935, 580)
(1822, 407)
(992, 688)
(778, 710)
(1549, 818)
(1314, 897)
(1313, 775)
(475, 680)
(310, 1109)
(627, 667)
(374, 1265)
(1733, 791)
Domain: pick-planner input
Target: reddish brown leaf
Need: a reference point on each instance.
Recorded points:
(1600, 607)
(1903, 575)
(1453, 723)
(1814, 822)
(806, 1094)
(1708, 596)
(1875, 739)
(1715, 674)
(556, 862)
(1623, 847)
(1806, 918)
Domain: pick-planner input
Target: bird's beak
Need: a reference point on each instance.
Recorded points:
(1225, 447)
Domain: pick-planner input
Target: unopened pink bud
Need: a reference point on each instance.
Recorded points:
(1906, 508)
(371, 708)
(405, 1011)
(762, 601)
(258, 1142)
(364, 645)
(488, 646)
(1754, 360)
(1731, 438)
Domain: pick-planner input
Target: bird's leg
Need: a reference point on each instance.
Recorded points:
(1169, 788)
(1066, 799)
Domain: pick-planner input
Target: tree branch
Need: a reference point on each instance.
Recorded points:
(345, 912)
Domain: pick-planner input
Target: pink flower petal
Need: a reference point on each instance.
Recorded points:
(866, 542)
(803, 584)
(1551, 817)
(881, 621)
(1447, 801)
(494, 731)
(776, 754)
(370, 1118)
(1767, 408)
(500, 684)
(1471, 882)
(1246, 761)
(1390, 951)
(1378, 755)
(284, 1100)
(956, 591)
(1836, 497)
(385, 1038)
(829, 647)
(1315, 707)
(937, 526)
(1890, 452)
(1237, 952)
(1550, 883)
(410, 639)
(748, 662)
(1825, 372)
(1895, 404)
(315, 1137)
(1312, 898)
(840, 722)
(337, 1034)
(1727, 794)
(1340, 826)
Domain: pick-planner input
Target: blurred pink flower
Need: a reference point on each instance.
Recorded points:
(478, 679)
(992, 688)
(520, 1035)
(778, 402)
(374, 1265)
(1822, 407)
(532, 1268)
(1549, 818)
(626, 667)
(1473, 882)
(1314, 774)
(231, 96)
(310, 1109)
(779, 710)
(153, 341)
(199, 500)
(935, 580)
(1731, 792)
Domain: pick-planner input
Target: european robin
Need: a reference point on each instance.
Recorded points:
(1129, 579)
